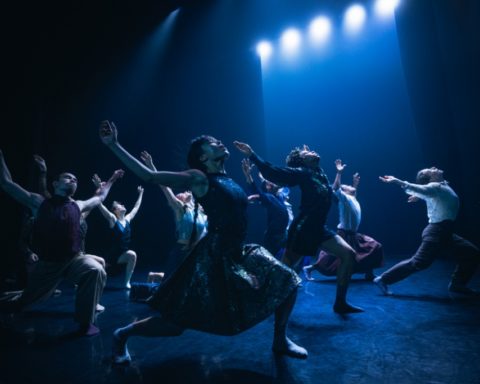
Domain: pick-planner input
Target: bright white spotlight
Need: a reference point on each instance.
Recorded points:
(354, 18)
(291, 40)
(385, 8)
(320, 29)
(264, 50)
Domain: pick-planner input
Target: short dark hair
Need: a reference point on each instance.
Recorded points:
(294, 158)
(195, 151)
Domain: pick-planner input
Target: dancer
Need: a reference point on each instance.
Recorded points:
(119, 222)
(308, 232)
(271, 198)
(222, 287)
(57, 238)
(442, 209)
(369, 252)
(183, 207)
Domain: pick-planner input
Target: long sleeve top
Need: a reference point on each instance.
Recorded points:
(442, 202)
(316, 191)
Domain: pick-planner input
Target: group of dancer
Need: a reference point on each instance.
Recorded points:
(222, 285)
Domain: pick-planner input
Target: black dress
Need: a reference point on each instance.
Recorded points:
(223, 286)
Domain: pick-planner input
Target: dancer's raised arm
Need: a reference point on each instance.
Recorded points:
(192, 179)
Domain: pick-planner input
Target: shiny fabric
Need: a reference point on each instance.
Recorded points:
(224, 287)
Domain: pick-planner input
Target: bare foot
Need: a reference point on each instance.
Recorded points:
(289, 348)
(346, 308)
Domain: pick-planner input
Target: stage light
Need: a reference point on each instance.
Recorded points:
(264, 49)
(385, 8)
(320, 30)
(354, 18)
(291, 40)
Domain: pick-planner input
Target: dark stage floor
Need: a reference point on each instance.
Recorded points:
(420, 335)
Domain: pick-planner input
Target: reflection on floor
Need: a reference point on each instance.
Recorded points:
(419, 335)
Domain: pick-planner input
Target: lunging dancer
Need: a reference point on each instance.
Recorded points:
(438, 236)
(369, 252)
(58, 243)
(223, 286)
(308, 232)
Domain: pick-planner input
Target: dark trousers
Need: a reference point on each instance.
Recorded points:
(437, 238)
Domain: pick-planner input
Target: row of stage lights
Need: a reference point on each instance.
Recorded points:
(320, 29)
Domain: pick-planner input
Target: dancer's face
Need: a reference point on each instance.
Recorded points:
(118, 208)
(66, 184)
(214, 150)
(310, 158)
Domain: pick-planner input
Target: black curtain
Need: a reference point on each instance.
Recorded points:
(440, 48)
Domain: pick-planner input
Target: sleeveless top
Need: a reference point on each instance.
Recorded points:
(225, 205)
(122, 236)
(57, 235)
(184, 226)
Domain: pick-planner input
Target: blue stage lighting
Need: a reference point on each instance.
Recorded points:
(354, 18)
(264, 49)
(319, 30)
(385, 8)
(291, 40)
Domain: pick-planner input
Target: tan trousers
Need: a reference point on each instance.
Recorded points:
(83, 270)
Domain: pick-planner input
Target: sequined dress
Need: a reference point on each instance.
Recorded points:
(224, 286)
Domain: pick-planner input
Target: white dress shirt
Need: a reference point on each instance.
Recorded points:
(442, 201)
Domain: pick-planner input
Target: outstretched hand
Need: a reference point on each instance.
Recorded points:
(388, 179)
(140, 189)
(339, 166)
(42, 165)
(147, 159)
(117, 174)
(244, 148)
(97, 182)
(108, 132)
(247, 167)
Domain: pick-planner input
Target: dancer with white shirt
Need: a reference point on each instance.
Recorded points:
(442, 209)
(369, 252)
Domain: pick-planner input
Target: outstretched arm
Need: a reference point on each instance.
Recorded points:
(418, 190)
(29, 199)
(338, 177)
(111, 218)
(101, 192)
(136, 207)
(278, 175)
(193, 179)
(42, 181)
(172, 200)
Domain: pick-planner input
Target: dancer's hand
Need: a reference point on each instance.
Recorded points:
(108, 133)
(140, 190)
(412, 199)
(244, 148)
(42, 165)
(147, 159)
(97, 182)
(339, 166)
(247, 167)
(390, 179)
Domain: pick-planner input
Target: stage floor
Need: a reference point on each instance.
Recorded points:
(419, 335)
